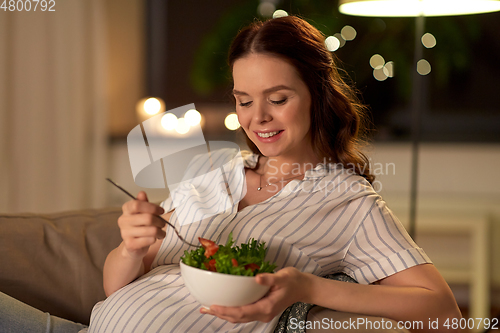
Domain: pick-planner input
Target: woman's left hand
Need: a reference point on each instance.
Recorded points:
(288, 286)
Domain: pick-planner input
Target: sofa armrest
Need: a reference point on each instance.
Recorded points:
(54, 262)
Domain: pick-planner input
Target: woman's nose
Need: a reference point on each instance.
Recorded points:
(261, 113)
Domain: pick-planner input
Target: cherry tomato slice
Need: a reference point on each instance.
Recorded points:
(210, 251)
(211, 265)
(234, 262)
(209, 246)
(206, 242)
(252, 267)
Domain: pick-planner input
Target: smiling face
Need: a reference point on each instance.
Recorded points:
(273, 105)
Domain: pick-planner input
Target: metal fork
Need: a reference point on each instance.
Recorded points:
(167, 222)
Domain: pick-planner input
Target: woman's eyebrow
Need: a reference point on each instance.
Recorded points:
(266, 91)
(237, 92)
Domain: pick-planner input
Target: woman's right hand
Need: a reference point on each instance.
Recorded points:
(140, 226)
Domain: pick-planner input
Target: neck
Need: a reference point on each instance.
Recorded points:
(285, 167)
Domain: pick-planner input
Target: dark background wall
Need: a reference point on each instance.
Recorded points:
(462, 100)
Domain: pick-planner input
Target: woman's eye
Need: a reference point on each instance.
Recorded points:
(281, 101)
(245, 104)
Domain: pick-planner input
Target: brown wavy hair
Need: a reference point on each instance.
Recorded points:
(338, 119)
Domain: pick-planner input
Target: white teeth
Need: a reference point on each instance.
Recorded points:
(267, 135)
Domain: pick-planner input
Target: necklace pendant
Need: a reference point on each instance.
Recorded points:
(259, 188)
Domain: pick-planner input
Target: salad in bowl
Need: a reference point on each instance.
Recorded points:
(225, 274)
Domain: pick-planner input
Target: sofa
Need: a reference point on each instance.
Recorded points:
(54, 262)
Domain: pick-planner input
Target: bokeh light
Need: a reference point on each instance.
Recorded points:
(152, 106)
(379, 74)
(169, 121)
(279, 13)
(428, 40)
(332, 43)
(423, 67)
(340, 38)
(149, 106)
(377, 61)
(192, 117)
(381, 69)
(266, 9)
(182, 126)
(231, 122)
(348, 33)
(389, 69)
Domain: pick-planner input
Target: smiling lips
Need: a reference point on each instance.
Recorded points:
(267, 134)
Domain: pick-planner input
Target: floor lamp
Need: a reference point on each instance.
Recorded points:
(418, 9)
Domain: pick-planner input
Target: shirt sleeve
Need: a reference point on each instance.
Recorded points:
(381, 247)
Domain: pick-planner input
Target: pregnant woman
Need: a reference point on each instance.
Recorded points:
(308, 196)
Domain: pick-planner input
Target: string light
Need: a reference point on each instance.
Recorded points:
(423, 67)
(377, 61)
(169, 121)
(148, 107)
(379, 74)
(389, 69)
(266, 9)
(182, 126)
(231, 122)
(279, 13)
(381, 69)
(192, 117)
(348, 33)
(332, 43)
(428, 40)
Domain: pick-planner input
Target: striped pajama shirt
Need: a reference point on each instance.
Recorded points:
(331, 221)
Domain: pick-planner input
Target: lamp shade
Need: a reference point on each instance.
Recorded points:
(399, 8)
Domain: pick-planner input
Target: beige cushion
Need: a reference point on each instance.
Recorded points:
(54, 262)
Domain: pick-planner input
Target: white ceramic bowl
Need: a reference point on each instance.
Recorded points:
(212, 288)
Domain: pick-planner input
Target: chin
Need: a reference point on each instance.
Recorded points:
(269, 152)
